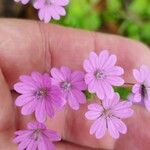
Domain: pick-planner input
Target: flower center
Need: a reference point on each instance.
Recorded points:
(65, 85)
(99, 75)
(143, 91)
(41, 93)
(47, 1)
(36, 134)
(106, 112)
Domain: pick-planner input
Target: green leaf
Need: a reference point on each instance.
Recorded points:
(81, 14)
(89, 96)
(145, 33)
(139, 6)
(124, 92)
(114, 5)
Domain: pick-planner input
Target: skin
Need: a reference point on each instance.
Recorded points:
(27, 46)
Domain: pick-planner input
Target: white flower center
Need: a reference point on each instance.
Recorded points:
(41, 93)
(99, 74)
(65, 85)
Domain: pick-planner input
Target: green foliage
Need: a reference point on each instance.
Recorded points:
(89, 96)
(123, 92)
(82, 14)
(130, 18)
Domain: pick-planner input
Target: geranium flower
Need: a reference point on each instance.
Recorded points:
(108, 116)
(36, 136)
(71, 83)
(49, 9)
(38, 95)
(141, 89)
(102, 74)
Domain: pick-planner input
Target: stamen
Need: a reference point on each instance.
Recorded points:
(36, 134)
(41, 93)
(106, 112)
(65, 85)
(99, 75)
(143, 91)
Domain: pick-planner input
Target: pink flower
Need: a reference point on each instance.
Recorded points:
(37, 136)
(38, 95)
(22, 1)
(71, 83)
(50, 9)
(108, 116)
(141, 89)
(102, 74)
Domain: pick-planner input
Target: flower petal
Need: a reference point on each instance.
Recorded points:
(56, 74)
(40, 112)
(100, 132)
(29, 108)
(114, 71)
(136, 88)
(137, 75)
(52, 135)
(137, 97)
(73, 101)
(112, 128)
(92, 115)
(23, 99)
(49, 109)
(109, 92)
(103, 56)
(114, 80)
(77, 76)
(66, 72)
(93, 57)
(80, 97)
(110, 62)
(88, 66)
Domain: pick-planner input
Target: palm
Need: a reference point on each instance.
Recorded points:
(27, 46)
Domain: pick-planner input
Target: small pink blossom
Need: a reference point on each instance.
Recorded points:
(102, 74)
(22, 1)
(49, 9)
(38, 95)
(71, 83)
(36, 137)
(108, 115)
(141, 89)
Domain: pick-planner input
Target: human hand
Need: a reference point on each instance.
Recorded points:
(27, 46)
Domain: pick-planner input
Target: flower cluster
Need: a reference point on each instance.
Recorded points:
(44, 94)
(48, 9)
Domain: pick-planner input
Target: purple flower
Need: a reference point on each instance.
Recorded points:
(22, 1)
(38, 95)
(37, 136)
(108, 116)
(102, 74)
(141, 89)
(50, 9)
(71, 84)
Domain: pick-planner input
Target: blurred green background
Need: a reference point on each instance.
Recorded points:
(130, 18)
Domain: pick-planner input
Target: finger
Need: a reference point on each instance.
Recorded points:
(7, 113)
(138, 135)
(70, 146)
(28, 46)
